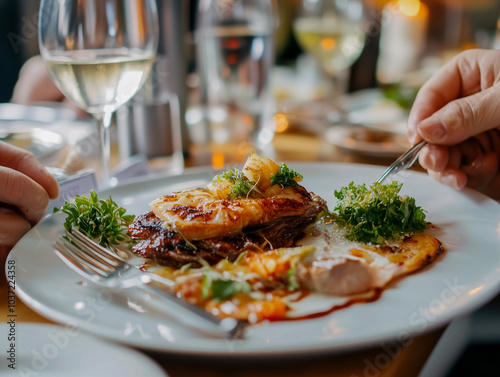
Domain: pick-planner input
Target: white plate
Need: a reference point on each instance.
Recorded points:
(463, 279)
(56, 351)
(367, 142)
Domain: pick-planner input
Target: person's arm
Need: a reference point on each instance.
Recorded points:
(458, 112)
(35, 85)
(25, 190)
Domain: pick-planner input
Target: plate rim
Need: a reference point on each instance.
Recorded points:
(58, 316)
(105, 344)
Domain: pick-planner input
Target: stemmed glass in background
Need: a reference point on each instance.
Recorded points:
(236, 51)
(332, 32)
(99, 53)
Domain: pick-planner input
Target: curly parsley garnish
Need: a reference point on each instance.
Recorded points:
(378, 213)
(285, 177)
(101, 220)
(242, 187)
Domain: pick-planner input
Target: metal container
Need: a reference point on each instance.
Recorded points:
(153, 123)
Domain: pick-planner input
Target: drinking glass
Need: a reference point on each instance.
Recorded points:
(236, 52)
(332, 32)
(99, 53)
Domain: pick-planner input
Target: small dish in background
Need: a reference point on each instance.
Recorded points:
(43, 129)
(367, 142)
(39, 141)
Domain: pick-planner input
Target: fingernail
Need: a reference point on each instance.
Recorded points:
(450, 180)
(412, 135)
(432, 159)
(432, 130)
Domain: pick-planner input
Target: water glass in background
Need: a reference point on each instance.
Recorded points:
(236, 54)
(150, 125)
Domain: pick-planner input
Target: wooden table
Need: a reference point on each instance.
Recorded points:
(379, 361)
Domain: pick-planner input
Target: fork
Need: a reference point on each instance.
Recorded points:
(105, 268)
(405, 161)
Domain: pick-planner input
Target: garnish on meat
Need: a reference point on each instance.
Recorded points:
(238, 211)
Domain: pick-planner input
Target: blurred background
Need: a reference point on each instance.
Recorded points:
(399, 45)
(452, 26)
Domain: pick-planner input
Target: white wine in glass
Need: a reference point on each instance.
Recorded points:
(332, 32)
(99, 53)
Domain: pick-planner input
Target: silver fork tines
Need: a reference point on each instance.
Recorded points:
(405, 161)
(104, 267)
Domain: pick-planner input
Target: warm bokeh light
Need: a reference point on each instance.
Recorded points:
(218, 161)
(247, 121)
(409, 7)
(280, 123)
(461, 4)
(328, 44)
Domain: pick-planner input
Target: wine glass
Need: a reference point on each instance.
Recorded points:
(236, 52)
(99, 53)
(331, 31)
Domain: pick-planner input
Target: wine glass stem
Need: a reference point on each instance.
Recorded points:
(338, 86)
(103, 124)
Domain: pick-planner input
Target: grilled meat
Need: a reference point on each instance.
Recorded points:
(273, 222)
(200, 215)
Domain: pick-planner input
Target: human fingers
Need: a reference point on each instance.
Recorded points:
(431, 98)
(481, 171)
(467, 74)
(434, 157)
(22, 192)
(24, 162)
(12, 227)
(462, 118)
(452, 177)
(438, 158)
(473, 163)
(443, 164)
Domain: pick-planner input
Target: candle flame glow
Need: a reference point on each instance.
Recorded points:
(409, 7)
(218, 161)
(328, 44)
(280, 122)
